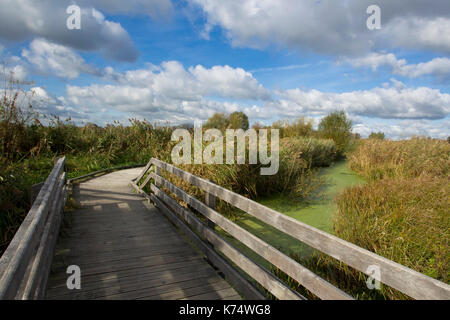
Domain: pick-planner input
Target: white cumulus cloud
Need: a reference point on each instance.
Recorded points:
(439, 67)
(28, 19)
(398, 102)
(329, 26)
(55, 59)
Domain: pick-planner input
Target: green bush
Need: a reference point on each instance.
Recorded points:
(376, 135)
(238, 120)
(338, 127)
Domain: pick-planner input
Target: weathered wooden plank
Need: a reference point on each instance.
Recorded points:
(192, 280)
(167, 291)
(45, 248)
(244, 287)
(211, 295)
(87, 216)
(210, 201)
(148, 261)
(257, 272)
(147, 293)
(17, 256)
(120, 244)
(106, 235)
(408, 281)
(308, 279)
(235, 297)
(158, 173)
(136, 282)
(83, 232)
(193, 291)
(42, 285)
(104, 279)
(111, 255)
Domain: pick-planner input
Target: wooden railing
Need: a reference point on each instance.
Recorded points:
(412, 283)
(25, 265)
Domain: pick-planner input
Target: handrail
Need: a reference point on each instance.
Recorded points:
(25, 264)
(406, 280)
(311, 281)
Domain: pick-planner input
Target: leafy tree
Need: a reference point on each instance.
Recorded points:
(222, 121)
(336, 126)
(376, 135)
(238, 120)
(218, 121)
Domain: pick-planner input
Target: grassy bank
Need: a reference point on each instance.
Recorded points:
(401, 213)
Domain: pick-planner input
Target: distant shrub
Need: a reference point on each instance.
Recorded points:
(377, 135)
(338, 127)
(222, 121)
(217, 121)
(299, 127)
(238, 120)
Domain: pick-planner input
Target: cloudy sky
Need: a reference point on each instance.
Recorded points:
(181, 61)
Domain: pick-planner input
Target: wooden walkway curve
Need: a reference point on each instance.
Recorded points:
(127, 249)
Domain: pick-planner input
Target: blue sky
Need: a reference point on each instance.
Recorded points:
(181, 61)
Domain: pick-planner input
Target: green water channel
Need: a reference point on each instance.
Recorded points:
(317, 213)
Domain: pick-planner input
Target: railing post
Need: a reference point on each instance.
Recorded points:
(158, 173)
(210, 201)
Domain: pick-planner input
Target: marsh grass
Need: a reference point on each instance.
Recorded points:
(90, 148)
(401, 213)
(376, 159)
(298, 176)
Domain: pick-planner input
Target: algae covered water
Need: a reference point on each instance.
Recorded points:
(316, 212)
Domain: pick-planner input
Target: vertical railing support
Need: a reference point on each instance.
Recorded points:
(210, 201)
(158, 173)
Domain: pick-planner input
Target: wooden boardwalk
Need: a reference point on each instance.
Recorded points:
(127, 249)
